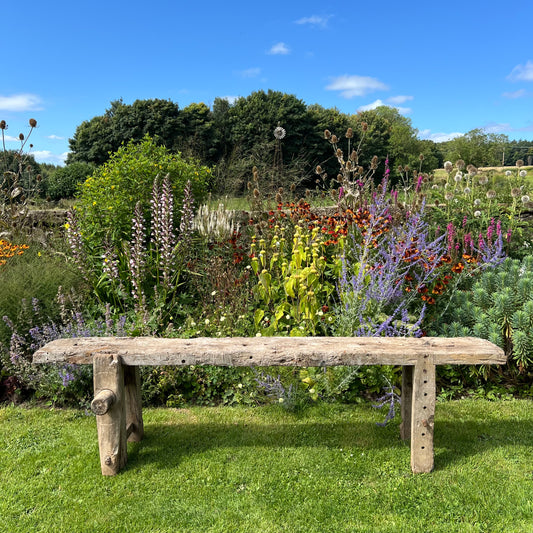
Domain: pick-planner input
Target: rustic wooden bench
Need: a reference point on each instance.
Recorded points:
(117, 394)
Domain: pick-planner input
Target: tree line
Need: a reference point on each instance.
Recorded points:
(235, 136)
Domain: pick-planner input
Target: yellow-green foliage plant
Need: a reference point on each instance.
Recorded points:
(295, 282)
(107, 199)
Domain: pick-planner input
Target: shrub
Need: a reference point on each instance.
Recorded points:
(65, 181)
(499, 307)
(107, 199)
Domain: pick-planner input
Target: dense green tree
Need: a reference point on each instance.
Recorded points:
(96, 139)
(64, 181)
(254, 118)
(196, 136)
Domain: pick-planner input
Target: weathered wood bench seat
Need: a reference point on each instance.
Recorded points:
(117, 400)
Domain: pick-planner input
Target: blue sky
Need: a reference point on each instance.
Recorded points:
(449, 66)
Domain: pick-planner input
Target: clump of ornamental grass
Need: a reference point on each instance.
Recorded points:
(215, 224)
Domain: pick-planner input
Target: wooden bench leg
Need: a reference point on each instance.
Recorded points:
(423, 415)
(407, 402)
(109, 406)
(132, 393)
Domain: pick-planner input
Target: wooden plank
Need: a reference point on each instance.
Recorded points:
(407, 402)
(111, 426)
(272, 351)
(423, 415)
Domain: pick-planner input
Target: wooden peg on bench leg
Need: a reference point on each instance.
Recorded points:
(110, 412)
(423, 415)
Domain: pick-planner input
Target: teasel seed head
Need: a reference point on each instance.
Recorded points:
(334, 139)
(327, 134)
(21, 136)
(3, 125)
(249, 185)
(256, 193)
(318, 169)
(279, 198)
(293, 187)
(33, 122)
(364, 126)
(520, 163)
(354, 157)
(421, 157)
(374, 163)
(459, 164)
(339, 152)
(349, 133)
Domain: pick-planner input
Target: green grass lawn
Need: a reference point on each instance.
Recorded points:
(329, 468)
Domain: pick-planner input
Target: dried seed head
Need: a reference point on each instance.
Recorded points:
(519, 163)
(364, 126)
(348, 165)
(293, 187)
(280, 190)
(516, 192)
(307, 193)
(318, 169)
(349, 133)
(354, 157)
(256, 193)
(339, 152)
(21, 136)
(421, 157)
(334, 139)
(459, 164)
(249, 185)
(374, 163)
(400, 169)
(491, 194)
(3, 125)
(38, 177)
(33, 122)
(279, 198)
(327, 134)
(360, 170)
(448, 166)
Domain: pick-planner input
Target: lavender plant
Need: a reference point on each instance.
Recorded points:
(57, 383)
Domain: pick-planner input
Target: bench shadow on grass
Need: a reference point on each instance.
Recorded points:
(166, 445)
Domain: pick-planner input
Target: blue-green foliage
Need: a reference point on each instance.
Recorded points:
(499, 307)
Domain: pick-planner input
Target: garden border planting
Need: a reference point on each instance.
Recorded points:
(117, 397)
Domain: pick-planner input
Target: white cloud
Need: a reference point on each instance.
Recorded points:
(46, 156)
(250, 72)
(279, 49)
(230, 99)
(379, 103)
(314, 20)
(351, 86)
(373, 105)
(494, 127)
(400, 99)
(438, 137)
(8, 138)
(515, 94)
(20, 102)
(522, 72)
(55, 137)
